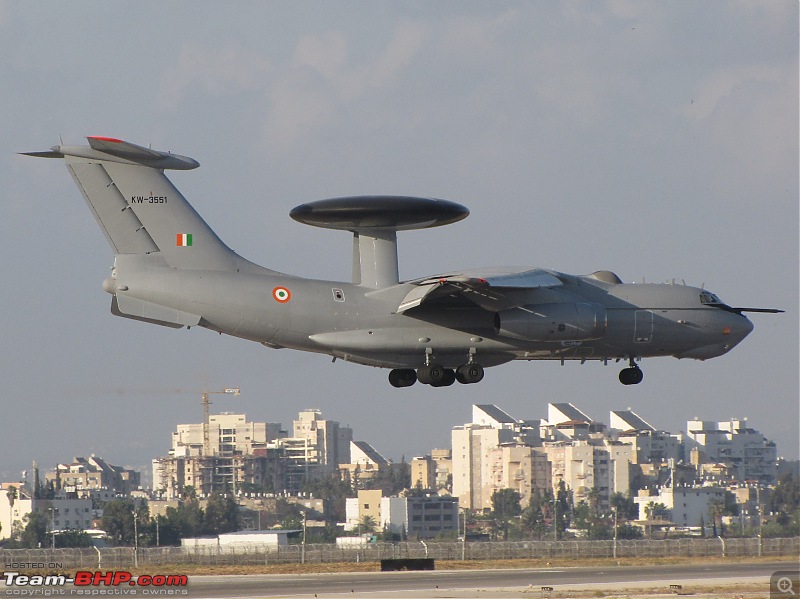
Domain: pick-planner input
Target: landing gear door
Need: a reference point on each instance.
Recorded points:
(643, 326)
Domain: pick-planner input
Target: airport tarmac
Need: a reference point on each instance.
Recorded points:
(632, 581)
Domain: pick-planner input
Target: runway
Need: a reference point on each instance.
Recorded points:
(486, 583)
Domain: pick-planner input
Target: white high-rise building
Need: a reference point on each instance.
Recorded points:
(596, 464)
(472, 447)
(332, 441)
(748, 453)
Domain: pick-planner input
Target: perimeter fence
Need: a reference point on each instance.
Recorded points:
(127, 557)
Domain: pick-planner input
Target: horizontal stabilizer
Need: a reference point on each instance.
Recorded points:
(116, 150)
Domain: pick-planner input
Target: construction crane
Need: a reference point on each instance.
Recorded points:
(206, 403)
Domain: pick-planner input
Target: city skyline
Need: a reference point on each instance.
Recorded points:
(655, 140)
(614, 414)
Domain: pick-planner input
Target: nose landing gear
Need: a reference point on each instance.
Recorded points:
(632, 375)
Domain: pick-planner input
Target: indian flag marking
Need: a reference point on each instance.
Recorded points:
(184, 239)
(281, 295)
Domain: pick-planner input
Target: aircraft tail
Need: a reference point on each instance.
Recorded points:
(138, 208)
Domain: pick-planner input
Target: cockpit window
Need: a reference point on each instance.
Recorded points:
(708, 298)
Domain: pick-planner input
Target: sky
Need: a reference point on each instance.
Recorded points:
(657, 140)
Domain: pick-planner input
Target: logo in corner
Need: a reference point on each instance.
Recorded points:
(281, 295)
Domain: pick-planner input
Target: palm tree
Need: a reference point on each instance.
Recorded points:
(648, 513)
(715, 509)
(367, 523)
(12, 495)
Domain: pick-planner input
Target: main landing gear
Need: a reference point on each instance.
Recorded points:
(436, 375)
(632, 375)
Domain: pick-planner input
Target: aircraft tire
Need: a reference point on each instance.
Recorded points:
(448, 379)
(469, 373)
(432, 374)
(402, 377)
(631, 376)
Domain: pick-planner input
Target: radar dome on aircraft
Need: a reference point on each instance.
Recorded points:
(391, 213)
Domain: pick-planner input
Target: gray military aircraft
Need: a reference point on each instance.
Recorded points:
(171, 269)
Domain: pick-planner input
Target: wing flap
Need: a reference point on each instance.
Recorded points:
(492, 289)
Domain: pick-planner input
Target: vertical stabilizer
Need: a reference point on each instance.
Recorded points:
(139, 210)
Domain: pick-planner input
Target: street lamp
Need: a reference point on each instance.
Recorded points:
(53, 524)
(303, 552)
(463, 510)
(135, 539)
(614, 510)
(555, 517)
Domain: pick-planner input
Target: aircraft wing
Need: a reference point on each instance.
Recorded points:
(496, 289)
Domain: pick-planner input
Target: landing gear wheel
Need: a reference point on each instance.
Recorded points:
(469, 373)
(402, 377)
(433, 374)
(448, 379)
(631, 376)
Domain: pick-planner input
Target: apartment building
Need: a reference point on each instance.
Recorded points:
(420, 517)
(365, 462)
(651, 446)
(472, 445)
(586, 464)
(59, 514)
(518, 467)
(749, 454)
(688, 506)
(92, 474)
(330, 440)
(228, 434)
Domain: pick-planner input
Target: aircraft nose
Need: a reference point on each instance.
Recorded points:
(741, 327)
(737, 328)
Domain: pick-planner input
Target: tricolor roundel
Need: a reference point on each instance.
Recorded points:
(281, 295)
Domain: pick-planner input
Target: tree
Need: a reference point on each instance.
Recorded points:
(117, 521)
(654, 510)
(189, 493)
(505, 507)
(35, 533)
(391, 479)
(11, 495)
(533, 517)
(367, 523)
(716, 508)
(221, 515)
(625, 506)
(73, 538)
(334, 489)
(785, 502)
(187, 519)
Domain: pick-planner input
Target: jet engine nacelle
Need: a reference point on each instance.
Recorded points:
(553, 322)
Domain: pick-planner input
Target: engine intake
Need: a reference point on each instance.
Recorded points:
(553, 322)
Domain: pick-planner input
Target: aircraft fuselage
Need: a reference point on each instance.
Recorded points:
(354, 323)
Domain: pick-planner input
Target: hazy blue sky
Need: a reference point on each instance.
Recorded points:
(655, 139)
